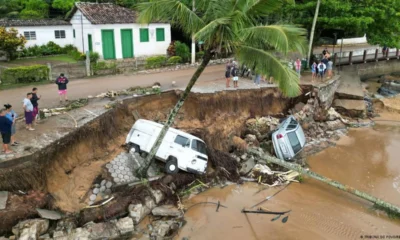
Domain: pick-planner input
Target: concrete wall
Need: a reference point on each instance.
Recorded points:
(83, 27)
(374, 69)
(45, 34)
(326, 92)
(353, 40)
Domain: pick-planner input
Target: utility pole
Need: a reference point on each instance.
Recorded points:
(193, 40)
(312, 32)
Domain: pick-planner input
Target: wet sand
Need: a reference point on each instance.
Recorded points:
(368, 159)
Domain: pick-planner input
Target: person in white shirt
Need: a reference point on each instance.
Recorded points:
(321, 70)
(28, 109)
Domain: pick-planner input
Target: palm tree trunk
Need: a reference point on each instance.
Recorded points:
(174, 112)
(312, 33)
(295, 167)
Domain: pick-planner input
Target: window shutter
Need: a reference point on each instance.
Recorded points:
(160, 34)
(74, 33)
(144, 35)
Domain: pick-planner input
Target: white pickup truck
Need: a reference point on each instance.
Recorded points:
(179, 150)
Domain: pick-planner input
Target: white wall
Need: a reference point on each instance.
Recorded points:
(140, 49)
(353, 40)
(45, 34)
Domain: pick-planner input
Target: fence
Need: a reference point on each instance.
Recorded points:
(71, 70)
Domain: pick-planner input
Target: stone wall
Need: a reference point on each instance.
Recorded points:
(374, 69)
(326, 92)
(71, 70)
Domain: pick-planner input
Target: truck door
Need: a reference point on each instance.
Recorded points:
(181, 150)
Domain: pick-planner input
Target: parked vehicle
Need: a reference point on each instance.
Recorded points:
(288, 139)
(179, 150)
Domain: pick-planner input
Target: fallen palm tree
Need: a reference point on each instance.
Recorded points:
(379, 203)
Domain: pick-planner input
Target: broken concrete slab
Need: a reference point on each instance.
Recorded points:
(137, 212)
(3, 199)
(48, 214)
(247, 166)
(125, 225)
(350, 108)
(31, 229)
(164, 228)
(166, 211)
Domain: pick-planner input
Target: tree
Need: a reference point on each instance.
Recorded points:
(231, 26)
(64, 5)
(10, 41)
(35, 9)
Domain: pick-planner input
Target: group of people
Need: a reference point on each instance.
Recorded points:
(325, 66)
(232, 71)
(31, 110)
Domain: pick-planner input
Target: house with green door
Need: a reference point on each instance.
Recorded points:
(113, 32)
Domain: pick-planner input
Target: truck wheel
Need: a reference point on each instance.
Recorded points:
(134, 146)
(171, 166)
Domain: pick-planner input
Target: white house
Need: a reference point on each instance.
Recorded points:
(112, 31)
(40, 32)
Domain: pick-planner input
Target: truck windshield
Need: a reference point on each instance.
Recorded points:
(199, 146)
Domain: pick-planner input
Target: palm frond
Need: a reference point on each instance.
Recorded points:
(173, 11)
(283, 38)
(217, 10)
(208, 33)
(266, 63)
(260, 8)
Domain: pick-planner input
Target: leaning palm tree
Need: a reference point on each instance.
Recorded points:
(233, 26)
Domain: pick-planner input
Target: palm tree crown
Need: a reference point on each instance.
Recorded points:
(235, 26)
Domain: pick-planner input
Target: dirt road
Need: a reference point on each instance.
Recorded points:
(81, 88)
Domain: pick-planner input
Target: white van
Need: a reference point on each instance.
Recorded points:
(179, 150)
(288, 139)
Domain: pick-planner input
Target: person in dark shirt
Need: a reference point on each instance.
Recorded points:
(34, 101)
(62, 82)
(325, 61)
(5, 129)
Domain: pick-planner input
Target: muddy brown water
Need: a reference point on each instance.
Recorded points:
(367, 159)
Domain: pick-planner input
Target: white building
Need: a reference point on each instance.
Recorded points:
(40, 32)
(112, 31)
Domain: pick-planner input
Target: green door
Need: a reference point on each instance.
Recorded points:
(90, 42)
(107, 37)
(127, 43)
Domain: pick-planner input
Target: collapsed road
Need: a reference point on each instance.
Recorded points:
(71, 177)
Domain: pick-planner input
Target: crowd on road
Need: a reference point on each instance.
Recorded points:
(30, 105)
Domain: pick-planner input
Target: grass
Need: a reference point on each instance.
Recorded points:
(39, 60)
(18, 85)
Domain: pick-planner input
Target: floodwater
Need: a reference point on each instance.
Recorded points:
(367, 159)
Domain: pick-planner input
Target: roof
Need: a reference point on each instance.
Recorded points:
(31, 22)
(104, 13)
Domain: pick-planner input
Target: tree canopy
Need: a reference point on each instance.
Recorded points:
(10, 41)
(379, 19)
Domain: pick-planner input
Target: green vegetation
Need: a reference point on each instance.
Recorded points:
(26, 74)
(10, 41)
(182, 50)
(44, 60)
(99, 68)
(174, 60)
(155, 62)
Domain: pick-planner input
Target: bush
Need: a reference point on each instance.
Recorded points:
(26, 74)
(155, 62)
(174, 60)
(171, 49)
(182, 50)
(50, 48)
(68, 48)
(105, 67)
(199, 55)
(77, 56)
(94, 57)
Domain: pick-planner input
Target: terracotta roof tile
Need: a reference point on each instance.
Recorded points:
(31, 22)
(106, 13)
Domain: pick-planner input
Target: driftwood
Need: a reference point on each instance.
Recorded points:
(390, 208)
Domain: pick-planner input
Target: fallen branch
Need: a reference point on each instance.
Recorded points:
(218, 205)
(390, 208)
(265, 212)
(269, 197)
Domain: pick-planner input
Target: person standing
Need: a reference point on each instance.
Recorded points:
(228, 73)
(325, 61)
(12, 115)
(329, 68)
(257, 80)
(235, 75)
(321, 70)
(298, 66)
(62, 82)
(28, 109)
(314, 71)
(5, 129)
(34, 101)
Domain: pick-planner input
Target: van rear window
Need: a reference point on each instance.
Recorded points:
(292, 125)
(199, 146)
(294, 141)
(182, 141)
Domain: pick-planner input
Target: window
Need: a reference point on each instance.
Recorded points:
(59, 34)
(182, 141)
(144, 35)
(73, 32)
(199, 146)
(292, 125)
(30, 35)
(160, 35)
(294, 141)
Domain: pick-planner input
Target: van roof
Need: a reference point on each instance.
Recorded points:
(174, 130)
